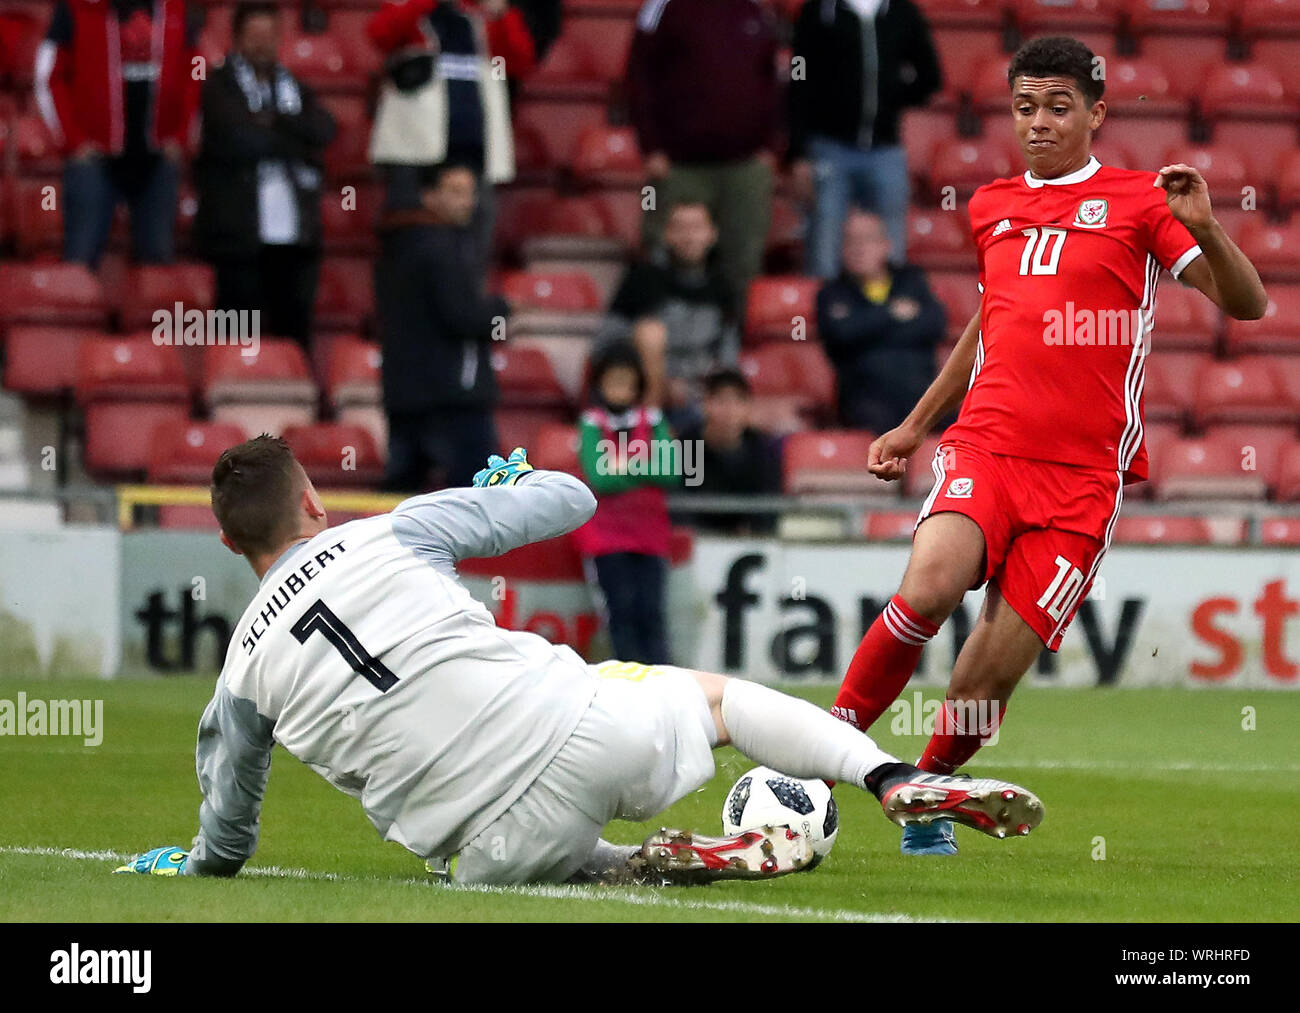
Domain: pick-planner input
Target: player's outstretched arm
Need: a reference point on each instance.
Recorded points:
(888, 455)
(1222, 271)
(511, 505)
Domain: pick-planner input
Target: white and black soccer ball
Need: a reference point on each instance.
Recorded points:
(765, 797)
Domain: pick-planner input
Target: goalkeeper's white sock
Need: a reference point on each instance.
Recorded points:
(798, 738)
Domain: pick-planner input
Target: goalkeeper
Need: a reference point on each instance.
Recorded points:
(487, 751)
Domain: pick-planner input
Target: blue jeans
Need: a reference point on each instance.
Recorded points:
(454, 443)
(634, 585)
(875, 179)
(92, 188)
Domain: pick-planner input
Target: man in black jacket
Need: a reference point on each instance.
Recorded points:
(880, 325)
(259, 177)
(437, 327)
(857, 65)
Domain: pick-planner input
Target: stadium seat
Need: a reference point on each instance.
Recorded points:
(889, 525)
(789, 380)
(35, 148)
(1283, 55)
(988, 86)
(970, 162)
(52, 294)
(577, 227)
(349, 153)
(185, 455)
(1269, 17)
(1277, 331)
(830, 461)
(1240, 390)
(559, 124)
(1184, 319)
(939, 239)
(555, 448)
(323, 61)
(526, 379)
(1039, 17)
(518, 427)
(532, 158)
(1140, 86)
(585, 61)
(41, 360)
(1155, 437)
(1111, 152)
(20, 35)
(777, 306)
(1165, 17)
(337, 455)
(1279, 531)
(1274, 248)
(1259, 446)
(959, 293)
(1149, 529)
(1147, 138)
(1287, 486)
(552, 302)
(1245, 91)
(345, 297)
(37, 216)
(608, 156)
(1288, 181)
(127, 388)
(1170, 388)
(350, 227)
(153, 287)
(352, 373)
(1224, 168)
(1185, 58)
(1204, 468)
(962, 13)
(264, 392)
(1287, 368)
(922, 131)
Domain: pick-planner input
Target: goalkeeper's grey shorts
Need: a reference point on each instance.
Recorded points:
(645, 742)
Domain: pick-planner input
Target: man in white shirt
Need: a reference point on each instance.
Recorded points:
(489, 750)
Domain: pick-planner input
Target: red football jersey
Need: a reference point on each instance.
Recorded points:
(1068, 269)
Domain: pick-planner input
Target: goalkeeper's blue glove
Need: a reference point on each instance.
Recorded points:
(501, 471)
(166, 861)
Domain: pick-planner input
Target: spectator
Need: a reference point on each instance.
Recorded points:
(436, 327)
(863, 63)
(735, 459)
(702, 94)
(114, 86)
(880, 325)
(259, 179)
(627, 541)
(441, 101)
(678, 312)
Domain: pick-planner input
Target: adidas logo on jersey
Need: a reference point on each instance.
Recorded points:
(1002, 226)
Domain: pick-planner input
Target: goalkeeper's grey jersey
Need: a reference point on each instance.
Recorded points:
(364, 656)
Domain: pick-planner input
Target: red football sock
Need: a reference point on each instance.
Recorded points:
(882, 664)
(953, 742)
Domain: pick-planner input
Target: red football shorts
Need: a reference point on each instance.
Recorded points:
(1046, 527)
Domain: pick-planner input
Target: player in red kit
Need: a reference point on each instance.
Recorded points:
(1049, 374)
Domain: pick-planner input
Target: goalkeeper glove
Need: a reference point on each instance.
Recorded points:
(166, 861)
(502, 471)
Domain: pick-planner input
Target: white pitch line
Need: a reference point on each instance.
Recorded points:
(1138, 766)
(643, 898)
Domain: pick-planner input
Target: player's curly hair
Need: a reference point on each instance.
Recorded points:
(1059, 56)
(254, 485)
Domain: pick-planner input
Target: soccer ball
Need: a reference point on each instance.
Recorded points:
(765, 797)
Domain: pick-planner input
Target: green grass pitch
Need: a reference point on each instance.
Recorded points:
(1192, 812)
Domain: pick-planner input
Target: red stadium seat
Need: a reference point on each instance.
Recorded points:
(352, 373)
(345, 297)
(532, 158)
(322, 61)
(153, 287)
(348, 220)
(779, 305)
(1184, 319)
(1288, 181)
(526, 378)
(1277, 331)
(337, 455)
(36, 149)
(1037, 17)
(1204, 468)
(38, 215)
(1279, 531)
(1241, 390)
(1224, 168)
(264, 392)
(126, 387)
(1288, 378)
(988, 85)
(349, 153)
(555, 448)
(1283, 56)
(922, 131)
(608, 156)
(186, 454)
(957, 13)
(558, 291)
(1184, 57)
(1146, 138)
(574, 228)
(790, 379)
(1140, 86)
(1269, 17)
(20, 35)
(1155, 437)
(518, 427)
(1245, 91)
(559, 124)
(51, 293)
(1149, 529)
(939, 239)
(1273, 248)
(889, 525)
(1205, 17)
(589, 56)
(1288, 476)
(1170, 388)
(1110, 152)
(831, 461)
(969, 163)
(41, 359)
(960, 295)
(1259, 446)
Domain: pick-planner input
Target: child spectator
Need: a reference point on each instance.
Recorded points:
(628, 459)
